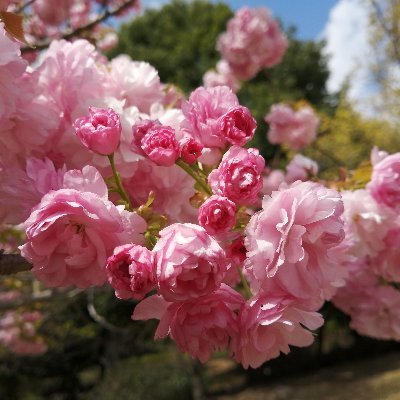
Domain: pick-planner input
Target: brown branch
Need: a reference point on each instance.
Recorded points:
(107, 14)
(13, 263)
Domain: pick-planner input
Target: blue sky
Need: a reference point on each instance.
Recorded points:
(309, 16)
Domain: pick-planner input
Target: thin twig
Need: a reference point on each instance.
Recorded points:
(99, 318)
(107, 14)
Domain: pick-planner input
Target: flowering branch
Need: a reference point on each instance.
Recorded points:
(106, 14)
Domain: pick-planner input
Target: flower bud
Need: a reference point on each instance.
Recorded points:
(100, 131)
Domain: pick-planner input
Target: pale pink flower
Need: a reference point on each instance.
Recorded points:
(202, 112)
(290, 238)
(386, 263)
(70, 76)
(366, 223)
(22, 189)
(300, 168)
(385, 182)
(189, 262)
(108, 41)
(217, 215)
(190, 150)
(296, 129)
(237, 126)
(222, 76)
(272, 180)
(172, 188)
(100, 131)
(88, 179)
(18, 333)
(49, 14)
(137, 82)
(70, 234)
(268, 326)
(251, 42)
(238, 177)
(377, 155)
(130, 271)
(199, 327)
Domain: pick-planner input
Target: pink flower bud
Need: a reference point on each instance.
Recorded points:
(217, 215)
(130, 271)
(160, 145)
(100, 131)
(190, 150)
(238, 126)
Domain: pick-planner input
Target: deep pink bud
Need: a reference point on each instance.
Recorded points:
(238, 177)
(238, 125)
(140, 129)
(217, 215)
(160, 145)
(191, 150)
(100, 131)
(130, 271)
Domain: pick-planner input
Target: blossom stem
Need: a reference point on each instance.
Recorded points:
(246, 287)
(195, 176)
(118, 183)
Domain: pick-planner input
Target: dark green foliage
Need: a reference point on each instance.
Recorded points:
(178, 39)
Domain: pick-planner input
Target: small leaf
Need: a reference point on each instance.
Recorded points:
(13, 25)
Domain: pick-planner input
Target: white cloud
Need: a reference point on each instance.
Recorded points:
(346, 35)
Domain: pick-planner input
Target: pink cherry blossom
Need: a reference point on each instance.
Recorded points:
(366, 223)
(70, 234)
(268, 325)
(288, 242)
(251, 42)
(202, 112)
(272, 179)
(296, 129)
(21, 189)
(130, 271)
(100, 131)
(199, 327)
(172, 189)
(217, 215)
(222, 76)
(160, 145)
(238, 126)
(189, 262)
(300, 168)
(137, 82)
(18, 333)
(385, 182)
(238, 177)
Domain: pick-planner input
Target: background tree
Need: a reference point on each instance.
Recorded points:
(177, 39)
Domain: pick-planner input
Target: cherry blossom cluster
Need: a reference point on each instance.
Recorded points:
(371, 296)
(116, 179)
(294, 128)
(252, 41)
(47, 20)
(18, 333)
